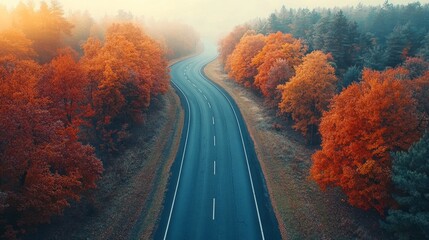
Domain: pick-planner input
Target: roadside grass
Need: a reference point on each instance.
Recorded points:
(302, 209)
(168, 144)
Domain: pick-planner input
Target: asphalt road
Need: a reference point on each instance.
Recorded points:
(217, 189)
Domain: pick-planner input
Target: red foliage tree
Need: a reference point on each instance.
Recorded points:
(420, 89)
(279, 74)
(416, 67)
(42, 165)
(66, 85)
(277, 46)
(365, 123)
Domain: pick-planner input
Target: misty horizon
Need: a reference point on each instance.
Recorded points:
(214, 119)
(221, 18)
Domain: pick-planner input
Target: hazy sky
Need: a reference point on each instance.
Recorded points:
(207, 16)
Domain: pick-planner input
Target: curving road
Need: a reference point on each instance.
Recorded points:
(217, 189)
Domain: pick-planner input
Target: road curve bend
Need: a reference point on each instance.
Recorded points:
(216, 189)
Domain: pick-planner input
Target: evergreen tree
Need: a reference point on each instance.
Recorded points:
(398, 46)
(375, 58)
(274, 24)
(385, 20)
(353, 74)
(342, 36)
(423, 52)
(279, 21)
(283, 14)
(303, 23)
(337, 39)
(320, 33)
(284, 18)
(411, 177)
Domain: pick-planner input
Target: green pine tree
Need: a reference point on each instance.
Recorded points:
(424, 49)
(399, 45)
(320, 33)
(340, 40)
(375, 58)
(353, 74)
(274, 24)
(411, 178)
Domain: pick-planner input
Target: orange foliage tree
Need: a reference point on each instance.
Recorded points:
(14, 42)
(46, 27)
(129, 69)
(42, 165)
(277, 46)
(228, 43)
(239, 61)
(307, 95)
(45, 109)
(365, 123)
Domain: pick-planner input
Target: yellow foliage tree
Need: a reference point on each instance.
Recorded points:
(307, 95)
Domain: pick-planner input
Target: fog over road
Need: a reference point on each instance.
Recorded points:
(217, 189)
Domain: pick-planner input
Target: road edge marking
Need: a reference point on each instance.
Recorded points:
(183, 157)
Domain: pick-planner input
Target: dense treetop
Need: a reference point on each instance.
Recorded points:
(355, 80)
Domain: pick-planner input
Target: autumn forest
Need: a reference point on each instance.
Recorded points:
(72, 90)
(352, 82)
(355, 81)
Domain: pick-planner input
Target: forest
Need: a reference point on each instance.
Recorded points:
(355, 83)
(71, 92)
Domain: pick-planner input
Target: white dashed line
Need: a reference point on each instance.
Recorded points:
(245, 154)
(210, 106)
(214, 168)
(214, 208)
(205, 97)
(214, 140)
(213, 120)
